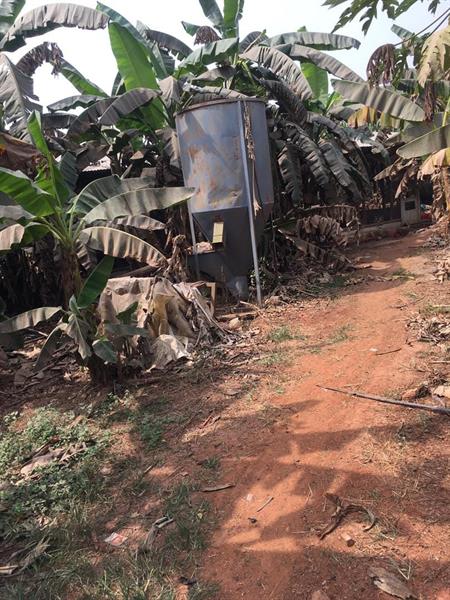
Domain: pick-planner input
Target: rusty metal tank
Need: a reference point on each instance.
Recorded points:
(225, 156)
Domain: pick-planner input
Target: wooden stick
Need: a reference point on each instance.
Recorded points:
(387, 352)
(268, 501)
(437, 409)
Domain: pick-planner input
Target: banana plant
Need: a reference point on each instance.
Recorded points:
(46, 206)
(225, 22)
(96, 343)
(16, 86)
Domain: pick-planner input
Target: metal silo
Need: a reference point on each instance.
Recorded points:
(225, 156)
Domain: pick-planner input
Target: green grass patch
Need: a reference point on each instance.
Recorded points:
(280, 334)
(431, 310)
(402, 273)
(50, 490)
(274, 358)
(341, 334)
(212, 463)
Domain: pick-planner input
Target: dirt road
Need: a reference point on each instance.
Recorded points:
(393, 461)
(249, 412)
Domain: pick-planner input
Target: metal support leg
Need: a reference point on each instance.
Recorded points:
(194, 240)
(249, 192)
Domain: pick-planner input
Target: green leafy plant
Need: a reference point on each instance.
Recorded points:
(55, 486)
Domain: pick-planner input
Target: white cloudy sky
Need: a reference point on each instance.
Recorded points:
(90, 51)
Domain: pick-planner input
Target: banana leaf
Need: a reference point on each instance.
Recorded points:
(81, 83)
(127, 103)
(207, 54)
(380, 99)
(21, 236)
(190, 28)
(319, 41)
(122, 245)
(439, 159)
(47, 52)
(118, 85)
(318, 81)
(171, 149)
(414, 130)
(71, 102)
(48, 17)
(282, 66)
(9, 9)
(25, 192)
(141, 201)
(251, 38)
(10, 236)
(136, 69)
(16, 154)
(212, 12)
(50, 178)
(171, 90)
(52, 122)
(340, 168)
(100, 190)
(164, 40)
(288, 101)
(89, 117)
(138, 222)
(28, 319)
(216, 75)
(150, 50)
(16, 97)
(78, 330)
(427, 144)
(14, 212)
(324, 61)
(50, 344)
(232, 14)
(95, 283)
(69, 171)
(291, 173)
(104, 349)
(348, 138)
(310, 153)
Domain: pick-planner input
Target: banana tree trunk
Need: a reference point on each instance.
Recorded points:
(445, 175)
(439, 201)
(102, 373)
(70, 275)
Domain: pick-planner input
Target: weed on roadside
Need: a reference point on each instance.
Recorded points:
(280, 334)
(402, 273)
(431, 310)
(212, 463)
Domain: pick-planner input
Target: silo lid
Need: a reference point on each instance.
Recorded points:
(219, 101)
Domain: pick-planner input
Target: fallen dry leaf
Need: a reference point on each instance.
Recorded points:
(115, 539)
(442, 391)
(35, 553)
(389, 583)
(150, 538)
(26, 560)
(7, 570)
(218, 488)
(41, 461)
(342, 509)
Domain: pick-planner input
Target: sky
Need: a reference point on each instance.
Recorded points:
(90, 53)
